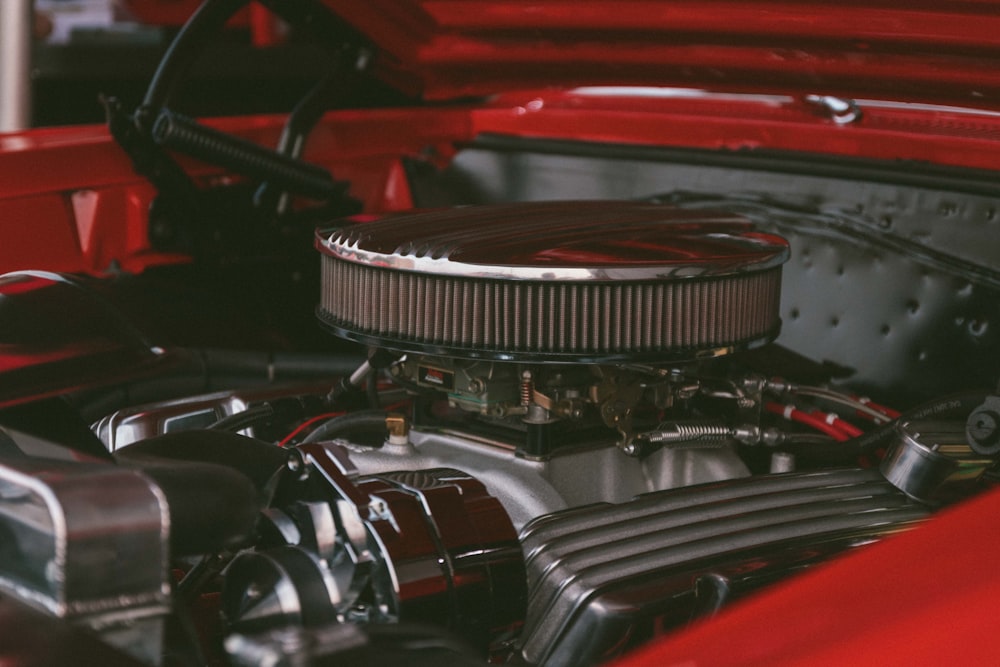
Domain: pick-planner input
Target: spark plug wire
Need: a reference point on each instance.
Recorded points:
(862, 406)
(305, 425)
(792, 413)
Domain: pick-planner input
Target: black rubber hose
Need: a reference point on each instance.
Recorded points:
(371, 389)
(954, 405)
(827, 453)
(215, 484)
(344, 424)
(212, 507)
(245, 419)
(287, 409)
(207, 20)
(203, 370)
(177, 132)
(258, 461)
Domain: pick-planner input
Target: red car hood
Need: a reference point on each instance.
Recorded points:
(917, 52)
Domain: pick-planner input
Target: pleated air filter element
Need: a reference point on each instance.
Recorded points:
(555, 281)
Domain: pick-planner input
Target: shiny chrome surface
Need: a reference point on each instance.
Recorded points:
(570, 477)
(140, 422)
(87, 543)
(91, 537)
(282, 587)
(560, 241)
(431, 546)
(556, 281)
(931, 459)
(598, 575)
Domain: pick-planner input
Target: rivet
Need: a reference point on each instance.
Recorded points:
(948, 208)
(977, 327)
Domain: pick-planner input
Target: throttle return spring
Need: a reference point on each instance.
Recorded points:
(185, 135)
(690, 434)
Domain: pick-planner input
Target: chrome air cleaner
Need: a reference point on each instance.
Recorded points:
(554, 281)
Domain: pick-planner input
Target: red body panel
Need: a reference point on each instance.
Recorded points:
(922, 598)
(925, 51)
(442, 49)
(71, 201)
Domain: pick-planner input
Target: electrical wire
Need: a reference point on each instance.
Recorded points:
(395, 407)
(953, 405)
(834, 419)
(792, 413)
(869, 410)
(888, 412)
(371, 389)
(306, 424)
(332, 428)
(244, 419)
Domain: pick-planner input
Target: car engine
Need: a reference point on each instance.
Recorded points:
(571, 432)
(609, 319)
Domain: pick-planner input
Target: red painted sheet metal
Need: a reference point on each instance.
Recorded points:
(746, 123)
(922, 598)
(71, 202)
(70, 159)
(917, 51)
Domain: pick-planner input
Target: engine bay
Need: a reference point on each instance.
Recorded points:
(538, 378)
(570, 433)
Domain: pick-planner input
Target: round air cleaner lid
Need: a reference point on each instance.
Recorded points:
(554, 281)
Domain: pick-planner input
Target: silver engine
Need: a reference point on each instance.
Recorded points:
(547, 325)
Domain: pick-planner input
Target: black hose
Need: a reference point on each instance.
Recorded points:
(304, 117)
(371, 389)
(245, 419)
(286, 409)
(207, 20)
(261, 462)
(808, 439)
(962, 403)
(215, 484)
(344, 424)
(205, 370)
(823, 452)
